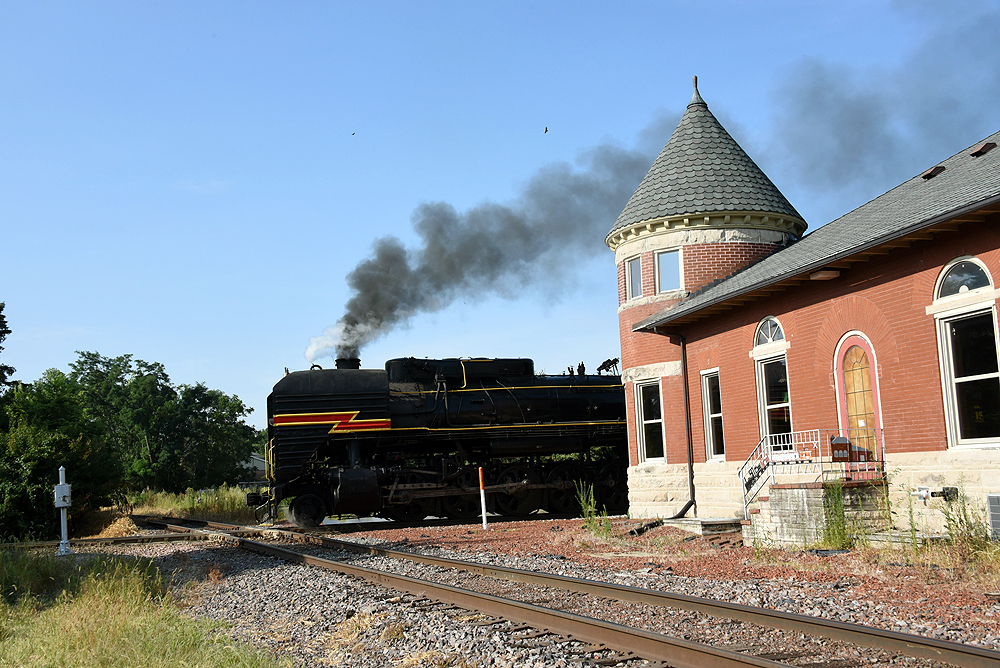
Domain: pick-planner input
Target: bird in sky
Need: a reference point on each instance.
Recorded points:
(546, 130)
(353, 133)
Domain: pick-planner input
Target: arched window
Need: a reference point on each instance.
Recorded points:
(965, 310)
(962, 277)
(769, 331)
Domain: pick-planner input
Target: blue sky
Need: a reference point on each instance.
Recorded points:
(191, 183)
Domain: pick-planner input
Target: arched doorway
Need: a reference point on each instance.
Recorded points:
(857, 392)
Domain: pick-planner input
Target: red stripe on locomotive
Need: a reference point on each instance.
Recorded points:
(339, 421)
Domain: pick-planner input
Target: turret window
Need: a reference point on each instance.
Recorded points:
(633, 278)
(668, 271)
(650, 420)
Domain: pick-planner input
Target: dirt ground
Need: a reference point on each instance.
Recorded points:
(933, 578)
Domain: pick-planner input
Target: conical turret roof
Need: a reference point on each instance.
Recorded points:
(703, 170)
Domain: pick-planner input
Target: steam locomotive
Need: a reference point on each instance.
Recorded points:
(407, 442)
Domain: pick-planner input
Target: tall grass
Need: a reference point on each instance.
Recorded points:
(106, 612)
(836, 533)
(594, 521)
(223, 504)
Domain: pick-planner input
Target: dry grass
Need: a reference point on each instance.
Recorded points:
(394, 631)
(935, 563)
(109, 613)
(123, 526)
(224, 504)
(346, 638)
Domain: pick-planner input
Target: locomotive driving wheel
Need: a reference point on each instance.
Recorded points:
(611, 489)
(521, 501)
(564, 500)
(416, 509)
(307, 510)
(463, 506)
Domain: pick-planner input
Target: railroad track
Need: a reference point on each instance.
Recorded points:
(625, 643)
(629, 643)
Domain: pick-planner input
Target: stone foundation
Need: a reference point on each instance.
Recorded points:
(976, 471)
(661, 490)
(795, 514)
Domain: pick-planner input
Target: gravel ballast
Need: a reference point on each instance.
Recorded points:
(322, 618)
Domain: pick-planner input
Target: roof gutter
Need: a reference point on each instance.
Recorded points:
(691, 503)
(650, 324)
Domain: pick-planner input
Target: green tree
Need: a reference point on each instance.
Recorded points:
(208, 442)
(167, 437)
(133, 401)
(5, 371)
(48, 428)
(116, 424)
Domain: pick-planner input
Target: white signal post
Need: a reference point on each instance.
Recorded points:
(63, 493)
(482, 494)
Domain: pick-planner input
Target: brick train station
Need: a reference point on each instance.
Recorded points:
(760, 361)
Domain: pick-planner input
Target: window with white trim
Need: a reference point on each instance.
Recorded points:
(711, 401)
(668, 271)
(650, 421)
(962, 277)
(965, 309)
(773, 398)
(633, 278)
(769, 331)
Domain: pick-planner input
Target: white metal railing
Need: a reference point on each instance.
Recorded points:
(827, 454)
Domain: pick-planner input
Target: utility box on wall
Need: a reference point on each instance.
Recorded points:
(993, 509)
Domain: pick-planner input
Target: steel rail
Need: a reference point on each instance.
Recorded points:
(959, 654)
(630, 641)
(83, 542)
(376, 525)
(916, 646)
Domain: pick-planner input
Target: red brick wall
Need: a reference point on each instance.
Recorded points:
(621, 283)
(704, 263)
(883, 298)
(639, 348)
(633, 457)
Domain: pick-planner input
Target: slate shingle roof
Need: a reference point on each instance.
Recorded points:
(966, 184)
(702, 170)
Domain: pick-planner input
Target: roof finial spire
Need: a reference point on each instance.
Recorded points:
(696, 98)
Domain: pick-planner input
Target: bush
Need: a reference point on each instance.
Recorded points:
(30, 458)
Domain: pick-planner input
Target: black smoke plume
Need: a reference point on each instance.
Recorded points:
(855, 133)
(840, 132)
(560, 218)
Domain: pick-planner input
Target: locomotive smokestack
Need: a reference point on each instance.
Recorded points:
(348, 363)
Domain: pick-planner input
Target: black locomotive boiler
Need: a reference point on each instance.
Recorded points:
(408, 442)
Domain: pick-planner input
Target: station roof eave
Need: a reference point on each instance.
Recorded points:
(966, 190)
